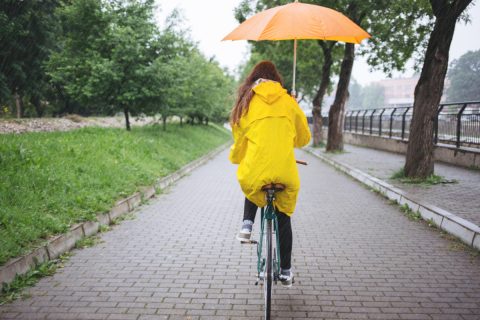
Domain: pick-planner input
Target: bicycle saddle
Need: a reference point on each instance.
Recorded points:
(274, 186)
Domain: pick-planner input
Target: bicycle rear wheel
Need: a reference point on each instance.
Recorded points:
(268, 276)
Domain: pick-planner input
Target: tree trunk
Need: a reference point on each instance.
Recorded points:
(63, 97)
(19, 105)
(37, 103)
(181, 121)
(206, 121)
(127, 118)
(164, 123)
(428, 91)
(322, 90)
(337, 110)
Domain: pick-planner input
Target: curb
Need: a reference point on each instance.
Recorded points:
(60, 244)
(466, 231)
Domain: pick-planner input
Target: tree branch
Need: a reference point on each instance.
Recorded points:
(459, 6)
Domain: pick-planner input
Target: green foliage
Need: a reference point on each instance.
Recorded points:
(104, 228)
(399, 32)
(96, 57)
(50, 181)
(464, 77)
(411, 215)
(433, 179)
(27, 31)
(123, 217)
(190, 86)
(320, 145)
(107, 48)
(131, 66)
(88, 242)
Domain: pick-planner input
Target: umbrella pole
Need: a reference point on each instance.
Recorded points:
(294, 66)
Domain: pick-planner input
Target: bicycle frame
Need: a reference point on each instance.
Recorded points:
(268, 215)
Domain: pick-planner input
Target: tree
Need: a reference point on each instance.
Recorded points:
(464, 77)
(428, 92)
(399, 30)
(27, 30)
(211, 90)
(81, 68)
(325, 85)
(108, 50)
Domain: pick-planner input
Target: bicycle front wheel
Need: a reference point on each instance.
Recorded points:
(268, 276)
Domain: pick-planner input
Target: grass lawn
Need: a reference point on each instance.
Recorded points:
(51, 180)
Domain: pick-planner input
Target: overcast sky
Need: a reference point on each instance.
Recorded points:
(209, 21)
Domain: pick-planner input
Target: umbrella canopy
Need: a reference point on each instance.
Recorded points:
(299, 21)
(295, 21)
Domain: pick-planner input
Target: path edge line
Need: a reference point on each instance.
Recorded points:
(466, 231)
(59, 244)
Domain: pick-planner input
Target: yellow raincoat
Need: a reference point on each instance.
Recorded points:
(263, 145)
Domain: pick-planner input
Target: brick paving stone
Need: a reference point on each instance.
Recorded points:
(461, 198)
(117, 316)
(355, 257)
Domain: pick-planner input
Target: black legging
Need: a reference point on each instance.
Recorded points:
(284, 232)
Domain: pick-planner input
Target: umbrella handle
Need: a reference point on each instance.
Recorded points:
(294, 93)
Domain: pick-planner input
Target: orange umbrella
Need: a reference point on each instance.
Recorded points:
(298, 21)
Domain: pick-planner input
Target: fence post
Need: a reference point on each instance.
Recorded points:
(363, 121)
(380, 123)
(459, 124)
(371, 121)
(403, 122)
(356, 121)
(347, 120)
(435, 125)
(350, 120)
(391, 121)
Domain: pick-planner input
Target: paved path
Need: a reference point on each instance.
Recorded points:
(461, 198)
(355, 257)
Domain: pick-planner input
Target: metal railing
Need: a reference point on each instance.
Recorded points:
(455, 123)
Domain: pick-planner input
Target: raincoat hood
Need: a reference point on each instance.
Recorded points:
(269, 91)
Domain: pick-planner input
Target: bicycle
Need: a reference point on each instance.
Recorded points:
(268, 266)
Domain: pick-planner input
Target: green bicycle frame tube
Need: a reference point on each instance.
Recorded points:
(268, 213)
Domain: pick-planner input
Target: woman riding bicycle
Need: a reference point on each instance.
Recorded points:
(267, 125)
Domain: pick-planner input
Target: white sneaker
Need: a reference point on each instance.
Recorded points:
(244, 235)
(286, 278)
(246, 231)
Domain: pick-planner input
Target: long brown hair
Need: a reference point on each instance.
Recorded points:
(263, 70)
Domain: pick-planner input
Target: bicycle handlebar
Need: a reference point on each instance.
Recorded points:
(301, 162)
